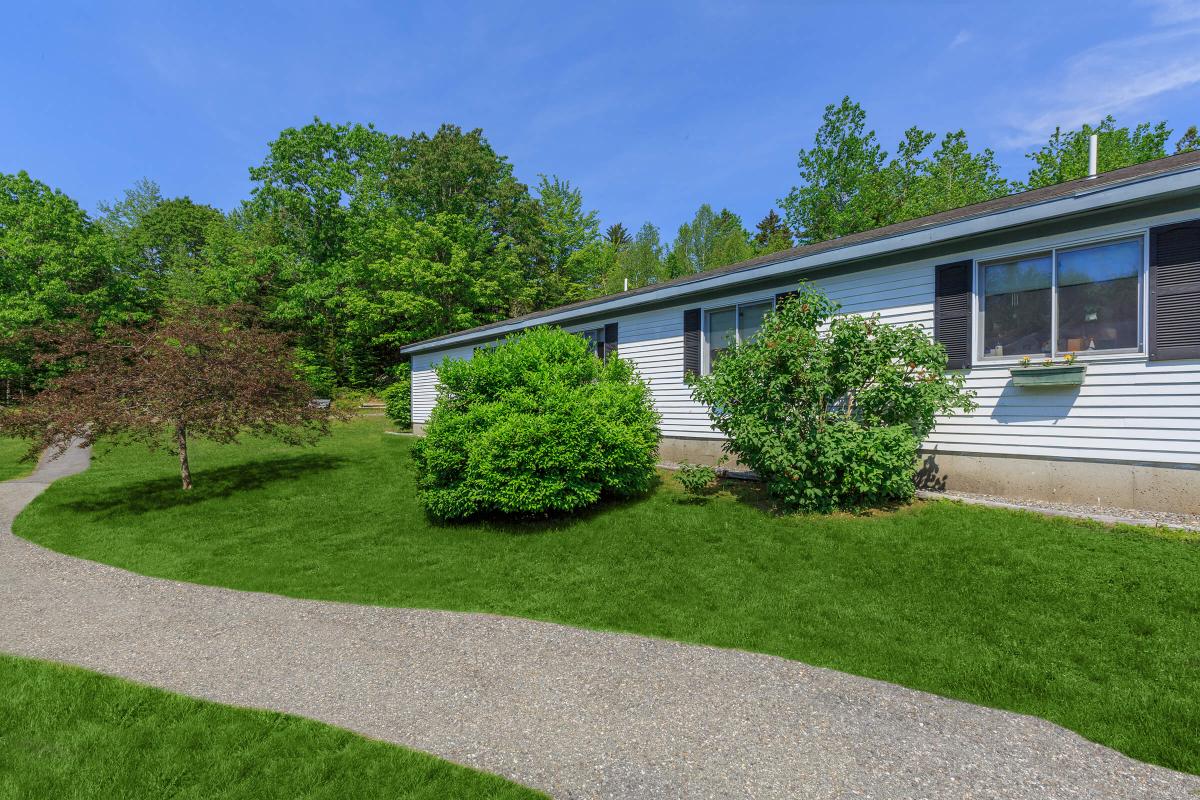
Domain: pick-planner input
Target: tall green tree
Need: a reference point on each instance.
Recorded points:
(953, 177)
(641, 261)
(327, 195)
(312, 176)
(55, 264)
(834, 175)
(125, 213)
(710, 240)
(170, 240)
(458, 172)
(849, 184)
(566, 230)
(1065, 157)
(414, 279)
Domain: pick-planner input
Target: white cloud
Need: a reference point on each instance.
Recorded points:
(1173, 12)
(1112, 78)
(960, 39)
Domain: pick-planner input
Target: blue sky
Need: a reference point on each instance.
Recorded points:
(651, 109)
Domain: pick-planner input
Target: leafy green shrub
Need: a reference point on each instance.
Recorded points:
(828, 409)
(534, 426)
(695, 478)
(397, 398)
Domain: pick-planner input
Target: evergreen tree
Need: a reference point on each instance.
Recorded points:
(1189, 141)
(617, 235)
(773, 234)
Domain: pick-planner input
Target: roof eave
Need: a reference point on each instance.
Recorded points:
(1085, 200)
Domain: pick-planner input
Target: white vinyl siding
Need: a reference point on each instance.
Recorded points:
(1128, 408)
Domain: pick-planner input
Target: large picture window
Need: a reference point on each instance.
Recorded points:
(732, 325)
(1070, 300)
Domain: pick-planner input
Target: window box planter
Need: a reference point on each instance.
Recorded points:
(1057, 375)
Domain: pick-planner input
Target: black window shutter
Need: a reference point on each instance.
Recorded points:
(610, 339)
(779, 298)
(952, 312)
(1175, 291)
(691, 342)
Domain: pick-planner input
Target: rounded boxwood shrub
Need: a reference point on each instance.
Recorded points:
(535, 426)
(829, 409)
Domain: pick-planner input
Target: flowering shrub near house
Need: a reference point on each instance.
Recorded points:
(830, 409)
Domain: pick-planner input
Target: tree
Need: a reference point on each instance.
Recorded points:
(773, 234)
(710, 240)
(955, 177)
(407, 280)
(732, 242)
(617, 235)
(833, 175)
(567, 229)
(198, 373)
(848, 183)
(1189, 141)
(641, 261)
(459, 173)
(54, 264)
(328, 195)
(1065, 157)
(137, 201)
(310, 178)
(170, 241)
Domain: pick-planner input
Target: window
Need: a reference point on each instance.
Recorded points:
(1098, 297)
(1066, 300)
(733, 325)
(1016, 306)
(595, 337)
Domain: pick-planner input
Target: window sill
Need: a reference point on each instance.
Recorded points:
(1004, 363)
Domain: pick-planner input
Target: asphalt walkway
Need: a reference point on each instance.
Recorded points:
(573, 712)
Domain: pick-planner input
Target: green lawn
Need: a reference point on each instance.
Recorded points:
(67, 733)
(1093, 628)
(11, 451)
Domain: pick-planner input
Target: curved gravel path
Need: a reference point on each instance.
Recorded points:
(576, 713)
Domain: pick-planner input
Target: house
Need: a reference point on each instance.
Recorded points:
(1106, 267)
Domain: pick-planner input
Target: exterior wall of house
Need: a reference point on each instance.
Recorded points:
(1130, 435)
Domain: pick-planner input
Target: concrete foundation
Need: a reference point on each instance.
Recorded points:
(1152, 487)
(674, 451)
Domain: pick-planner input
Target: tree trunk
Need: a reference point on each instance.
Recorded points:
(185, 471)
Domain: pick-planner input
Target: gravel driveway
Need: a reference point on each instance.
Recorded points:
(575, 713)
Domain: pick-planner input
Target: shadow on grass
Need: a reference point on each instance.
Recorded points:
(549, 523)
(161, 494)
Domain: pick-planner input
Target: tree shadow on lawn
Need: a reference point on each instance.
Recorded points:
(160, 494)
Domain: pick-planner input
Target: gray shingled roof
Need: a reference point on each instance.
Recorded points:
(1137, 172)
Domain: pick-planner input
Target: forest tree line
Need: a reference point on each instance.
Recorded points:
(357, 241)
